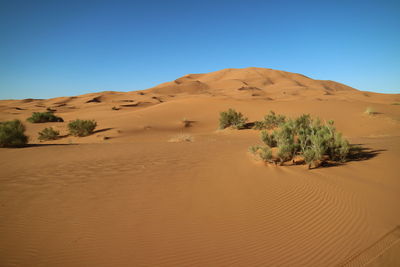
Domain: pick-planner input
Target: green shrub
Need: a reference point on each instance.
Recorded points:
(268, 139)
(12, 134)
(48, 134)
(259, 125)
(308, 138)
(254, 149)
(40, 117)
(270, 121)
(264, 152)
(233, 119)
(81, 127)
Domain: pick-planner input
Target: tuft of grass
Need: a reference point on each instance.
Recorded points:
(48, 134)
(233, 119)
(82, 127)
(369, 111)
(41, 117)
(181, 138)
(12, 134)
(396, 104)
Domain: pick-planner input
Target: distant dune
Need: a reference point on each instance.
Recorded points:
(158, 185)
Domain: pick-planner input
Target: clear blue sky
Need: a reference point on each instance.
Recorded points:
(59, 48)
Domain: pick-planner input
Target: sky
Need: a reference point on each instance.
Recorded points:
(63, 48)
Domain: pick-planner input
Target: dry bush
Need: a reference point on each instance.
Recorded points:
(181, 138)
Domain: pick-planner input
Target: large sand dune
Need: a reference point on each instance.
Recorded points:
(125, 196)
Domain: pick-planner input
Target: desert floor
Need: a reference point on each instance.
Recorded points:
(125, 196)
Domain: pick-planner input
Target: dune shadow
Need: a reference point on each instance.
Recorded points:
(356, 153)
(363, 153)
(248, 125)
(43, 145)
(188, 123)
(102, 130)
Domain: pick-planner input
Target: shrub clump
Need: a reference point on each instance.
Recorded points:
(233, 119)
(271, 121)
(48, 134)
(81, 127)
(41, 117)
(12, 134)
(314, 142)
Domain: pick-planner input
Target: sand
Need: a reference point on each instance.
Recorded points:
(128, 196)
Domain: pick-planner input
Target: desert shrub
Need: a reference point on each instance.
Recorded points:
(81, 127)
(311, 139)
(268, 139)
(40, 117)
(259, 125)
(263, 152)
(48, 134)
(270, 121)
(231, 118)
(12, 134)
(254, 149)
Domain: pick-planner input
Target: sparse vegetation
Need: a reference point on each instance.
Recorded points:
(233, 119)
(369, 111)
(41, 117)
(82, 127)
(181, 138)
(314, 142)
(12, 134)
(48, 134)
(186, 123)
(271, 121)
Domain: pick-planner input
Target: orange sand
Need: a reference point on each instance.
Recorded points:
(135, 199)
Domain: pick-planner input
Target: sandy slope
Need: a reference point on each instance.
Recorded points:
(137, 200)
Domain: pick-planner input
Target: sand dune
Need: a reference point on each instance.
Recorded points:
(136, 199)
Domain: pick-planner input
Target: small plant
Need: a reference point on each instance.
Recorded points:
(370, 111)
(181, 138)
(233, 119)
(271, 121)
(259, 125)
(187, 123)
(263, 152)
(12, 134)
(253, 149)
(41, 117)
(48, 134)
(268, 139)
(82, 127)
